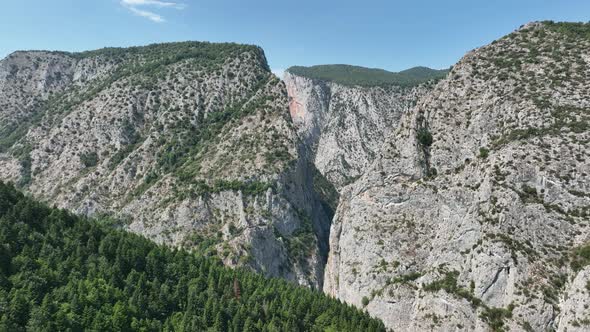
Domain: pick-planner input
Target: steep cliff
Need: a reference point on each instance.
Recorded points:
(344, 124)
(189, 143)
(474, 214)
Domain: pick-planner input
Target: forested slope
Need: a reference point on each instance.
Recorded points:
(62, 272)
(368, 77)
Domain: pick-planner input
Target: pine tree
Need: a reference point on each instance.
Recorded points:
(19, 308)
(209, 313)
(237, 322)
(120, 317)
(220, 322)
(249, 325)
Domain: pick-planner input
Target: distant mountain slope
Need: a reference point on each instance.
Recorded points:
(344, 126)
(360, 76)
(475, 214)
(184, 141)
(59, 272)
(424, 73)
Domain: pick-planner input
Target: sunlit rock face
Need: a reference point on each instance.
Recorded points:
(474, 214)
(344, 126)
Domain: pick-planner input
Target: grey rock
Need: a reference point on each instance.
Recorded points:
(344, 126)
(479, 230)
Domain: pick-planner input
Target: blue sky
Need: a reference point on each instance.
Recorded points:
(393, 34)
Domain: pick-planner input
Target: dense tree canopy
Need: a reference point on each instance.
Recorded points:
(62, 272)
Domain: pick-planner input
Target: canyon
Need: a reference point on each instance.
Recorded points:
(435, 200)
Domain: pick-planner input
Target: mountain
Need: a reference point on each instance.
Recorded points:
(360, 76)
(189, 144)
(59, 272)
(434, 200)
(343, 126)
(474, 214)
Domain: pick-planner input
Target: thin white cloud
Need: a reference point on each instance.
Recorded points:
(137, 7)
(154, 3)
(147, 14)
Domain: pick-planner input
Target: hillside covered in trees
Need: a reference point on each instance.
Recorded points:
(62, 272)
(360, 76)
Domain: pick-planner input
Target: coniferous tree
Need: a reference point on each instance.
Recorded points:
(249, 325)
(220, 322)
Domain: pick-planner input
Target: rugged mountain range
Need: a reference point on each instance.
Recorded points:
(461, 203)
(475, 213)
(184, 142)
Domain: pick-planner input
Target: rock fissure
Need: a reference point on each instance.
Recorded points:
(493, 282)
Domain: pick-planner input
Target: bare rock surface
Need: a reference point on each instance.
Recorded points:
(344, 126)
(475, 213)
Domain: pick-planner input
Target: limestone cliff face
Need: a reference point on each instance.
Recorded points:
(190, 143)
(463, 206)
(344, 126)
(475, 213)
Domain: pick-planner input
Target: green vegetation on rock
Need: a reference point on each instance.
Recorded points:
(144, 66)
(581, 257)
(425, 137)
(493, 316)
(325, 189)
(303, 240)
(89, 159)
(484, 152)
(571, 29)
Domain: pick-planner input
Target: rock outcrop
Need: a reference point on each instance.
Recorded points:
(344, 126)
(189, 143)
(475, 213)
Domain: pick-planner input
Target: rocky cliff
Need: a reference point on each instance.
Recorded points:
(475, 213)
(461, 206)
(187, 143)
(344, 125)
